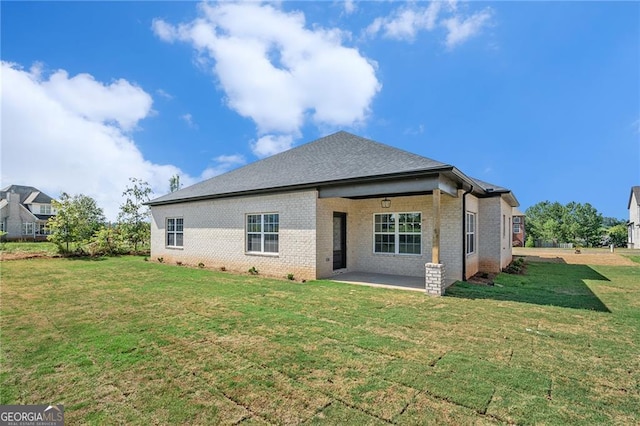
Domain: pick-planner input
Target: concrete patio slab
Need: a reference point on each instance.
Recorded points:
(398, 282)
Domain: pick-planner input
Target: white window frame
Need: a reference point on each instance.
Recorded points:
(262, 233)
(471, 234)
(45, 209)
(396, 233)
(175, 232)
(28, 228)
(516, 219)
(516, 226)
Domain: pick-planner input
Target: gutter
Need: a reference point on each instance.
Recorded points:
(464, 233)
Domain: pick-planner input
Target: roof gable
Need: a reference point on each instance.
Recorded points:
(337, 157)
(635, 191)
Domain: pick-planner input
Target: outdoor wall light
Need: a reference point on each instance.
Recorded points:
(386, 203)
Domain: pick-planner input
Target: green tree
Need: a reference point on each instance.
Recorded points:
(547, 221)
(134, 215)
(618, 235)
(77, 218)
(174, 183)
(587, 224)
(609, 222)
(571, 223)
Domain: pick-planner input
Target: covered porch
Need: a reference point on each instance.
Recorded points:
(390, 233)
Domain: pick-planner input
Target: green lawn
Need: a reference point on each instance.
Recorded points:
(121, 340)
(44, 247)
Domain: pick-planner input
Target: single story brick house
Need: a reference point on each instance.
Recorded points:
(341, 203)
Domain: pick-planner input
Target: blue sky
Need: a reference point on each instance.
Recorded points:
(540, 97)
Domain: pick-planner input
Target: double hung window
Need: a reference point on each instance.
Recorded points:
(471, 233)
(175, 232)
(263, 233)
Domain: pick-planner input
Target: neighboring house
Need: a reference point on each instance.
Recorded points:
(339, 204)
(519, 236)
(24, 211)
(634, 218)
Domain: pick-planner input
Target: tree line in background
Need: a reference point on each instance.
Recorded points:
(580, 224)
(80, 227)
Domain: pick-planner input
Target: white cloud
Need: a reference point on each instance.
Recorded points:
(164, 94)
(163, 30)
(188, 118)
(349, 6)
(224, 163)
(405, 22)
(462, 29)
(72, 135)
(271, 144)
(276, 71)
(86, 97)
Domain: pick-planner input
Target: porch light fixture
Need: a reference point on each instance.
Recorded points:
(386, 203)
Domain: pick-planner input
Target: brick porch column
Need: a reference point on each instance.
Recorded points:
(434, 279)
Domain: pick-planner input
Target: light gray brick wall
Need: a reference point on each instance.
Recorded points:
(214, 234)
(494, 237)
(506, 244)
(473, 263)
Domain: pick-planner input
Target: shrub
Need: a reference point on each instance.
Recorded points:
(107, 241)
(516, 267)
(200, 265)
(161, 259)
(290, 277)
(529, 242)
(253, 271)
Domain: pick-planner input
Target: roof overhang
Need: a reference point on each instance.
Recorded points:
(445, 184)
(390, 187)
(448, 179)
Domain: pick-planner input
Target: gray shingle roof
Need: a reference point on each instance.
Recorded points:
(337, 157)
(489, 187)
(28, 194)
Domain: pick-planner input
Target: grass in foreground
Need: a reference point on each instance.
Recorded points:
(126, 341)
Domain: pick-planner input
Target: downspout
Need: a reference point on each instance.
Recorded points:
(464, 233)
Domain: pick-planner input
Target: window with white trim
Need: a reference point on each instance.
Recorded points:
(45, 208)
(516, 228)
(263, 233)
(471, 233)
(175, 232)
(27, 228)
(397, 233)
(516, 219)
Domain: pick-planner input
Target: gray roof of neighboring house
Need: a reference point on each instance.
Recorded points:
(339, 157)
(28, 194)
(635, 190)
